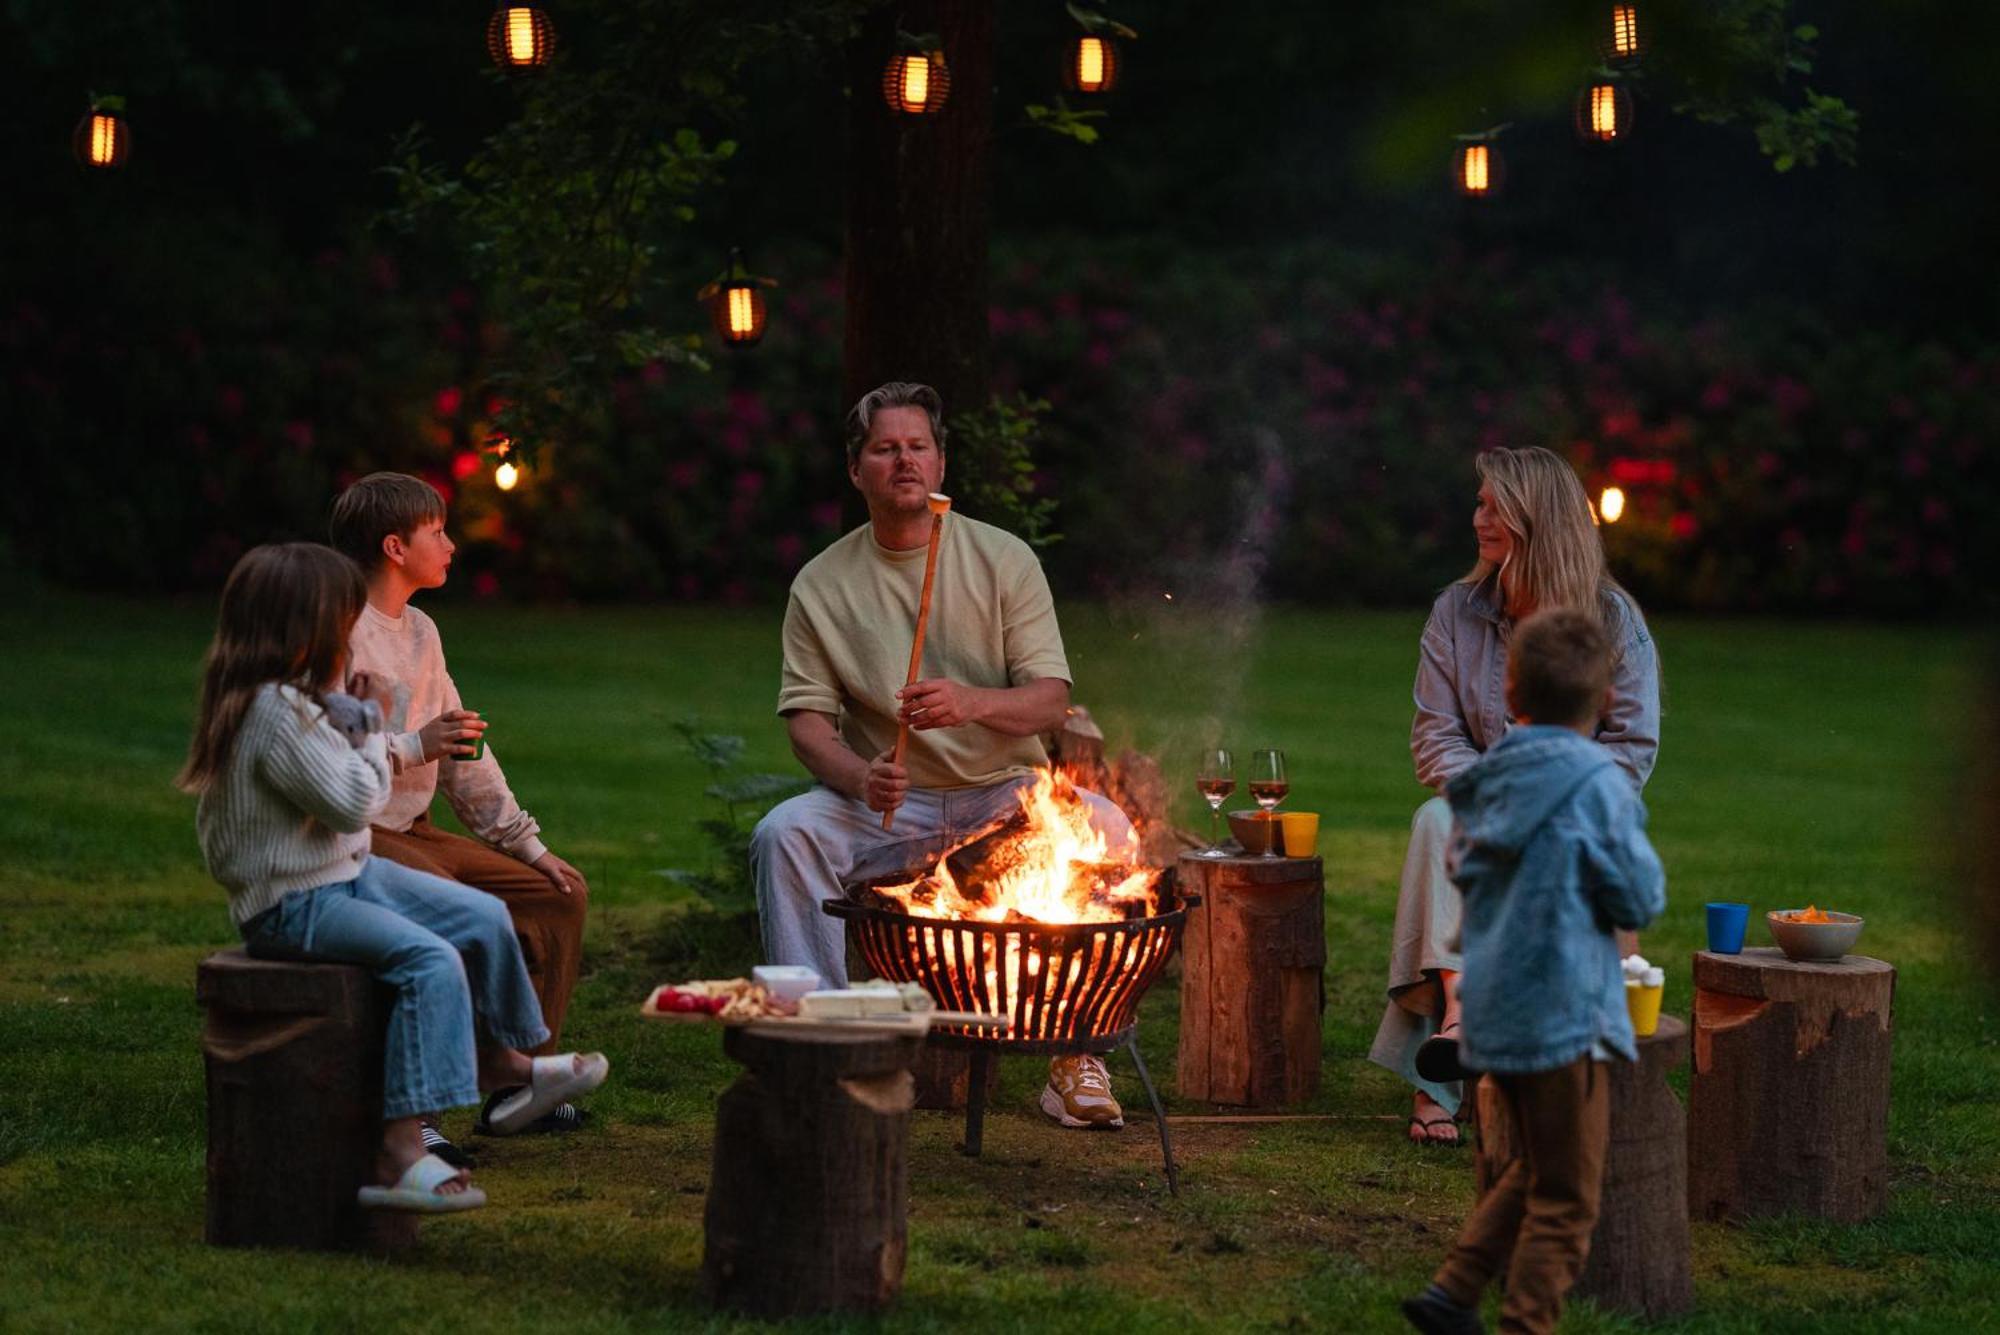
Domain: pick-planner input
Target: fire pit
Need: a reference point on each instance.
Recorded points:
(978, 940)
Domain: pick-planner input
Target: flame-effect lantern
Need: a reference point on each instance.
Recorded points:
(1621, 39)
(507, 476)
(1603, 112)
(520, 38)
(736, 302)
(916, 83)
(1611, 504)
(102, 139)
(1092, 66)
(1477, 170)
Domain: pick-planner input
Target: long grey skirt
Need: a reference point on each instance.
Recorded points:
(1428, 909)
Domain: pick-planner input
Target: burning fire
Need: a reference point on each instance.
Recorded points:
(1044, 864)
(1811, 913)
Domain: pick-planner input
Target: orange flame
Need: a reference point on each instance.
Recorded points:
(1056, 868)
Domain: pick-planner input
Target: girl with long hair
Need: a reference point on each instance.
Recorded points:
(290, 772)
(1538, 549)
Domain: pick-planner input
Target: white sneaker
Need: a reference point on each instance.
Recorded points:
(1079, 1094)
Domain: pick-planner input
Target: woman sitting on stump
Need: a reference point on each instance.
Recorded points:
(290, 773)
(1538, 549)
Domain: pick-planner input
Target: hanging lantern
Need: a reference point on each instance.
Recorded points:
(1603, 112)
(916, 83)
(1611, 504)
(520, 38)
(1092, 66)
(507, 476)
(736, 302)
(1621, 40)
(102, 137)
(1477, 171)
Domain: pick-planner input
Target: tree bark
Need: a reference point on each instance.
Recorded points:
(1252, 985)
(1789, 1106)
(1639, 1260)
(293, 1055)
(918, 210)
(807, 1203)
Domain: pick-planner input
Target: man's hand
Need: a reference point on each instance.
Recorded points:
(886, 784)
(938, 702)
(451, 733)
(371, 686)
(561, 875)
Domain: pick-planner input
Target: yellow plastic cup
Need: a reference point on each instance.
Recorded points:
(1644, 1004)
(1301, 833)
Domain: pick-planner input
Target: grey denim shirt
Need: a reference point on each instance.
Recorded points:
(1461, 690)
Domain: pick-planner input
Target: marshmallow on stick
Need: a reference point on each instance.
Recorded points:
(939, 504)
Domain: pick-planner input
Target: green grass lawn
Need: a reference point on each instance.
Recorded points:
(1801, 762)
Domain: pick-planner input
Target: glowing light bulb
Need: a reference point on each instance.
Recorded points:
(742, 311)
(506, 476)
(1477, 170)
(103, 140)
(1090, 64)
(1611, 504)
(521, 36)
(916, 82)
(1604, 111)
(1624, 30)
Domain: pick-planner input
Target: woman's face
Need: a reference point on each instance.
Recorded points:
(1495, 542)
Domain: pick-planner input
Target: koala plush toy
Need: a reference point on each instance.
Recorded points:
(353, 719)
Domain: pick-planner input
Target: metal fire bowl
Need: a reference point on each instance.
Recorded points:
(1068, 987)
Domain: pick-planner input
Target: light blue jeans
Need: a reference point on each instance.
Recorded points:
(448, 950)
(807, 848)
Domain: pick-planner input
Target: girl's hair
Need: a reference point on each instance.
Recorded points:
(1556, 558)
(286, 614)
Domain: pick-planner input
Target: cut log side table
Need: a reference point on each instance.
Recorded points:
(293, 1057)
(1252, 980)
(808, 1199)
(1788, 1110)
(1639, 1261)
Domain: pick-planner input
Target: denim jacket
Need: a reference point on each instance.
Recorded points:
(1549, 846)
(1461, 690)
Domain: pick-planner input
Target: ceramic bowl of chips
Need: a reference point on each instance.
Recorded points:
(1813, 935)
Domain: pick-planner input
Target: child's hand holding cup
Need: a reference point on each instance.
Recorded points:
(456, 734)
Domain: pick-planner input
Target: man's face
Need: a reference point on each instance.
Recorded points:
(426, 554)
(900, 464)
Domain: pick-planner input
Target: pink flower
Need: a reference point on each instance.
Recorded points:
(1581, 346)
(1916, 462)
(1715, 397)
(654, 373)
(684, 473)
(788, 547)
(300, 434)
(1789, 397)
(736, 440)
(230, 400)
(749, 483)
(825, 515)
(1682, 525)
(1935, 511)
(1099, 355)
(464, 464)
(485, 584)
(748, 408)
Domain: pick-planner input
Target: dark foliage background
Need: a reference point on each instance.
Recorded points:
(1262, 322)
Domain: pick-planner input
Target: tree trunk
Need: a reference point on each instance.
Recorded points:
(1639, 1261)
(293, 1055)
(918, 207)
(1789, 1106)
(808, 1198)
(1252, 985)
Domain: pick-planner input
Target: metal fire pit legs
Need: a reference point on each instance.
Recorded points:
(975, 1106)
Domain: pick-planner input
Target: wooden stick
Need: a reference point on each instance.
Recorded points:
(939, 505)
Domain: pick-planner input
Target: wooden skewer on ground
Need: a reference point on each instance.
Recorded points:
(939, 504)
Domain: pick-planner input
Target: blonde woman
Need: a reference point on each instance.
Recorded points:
(1538, 548)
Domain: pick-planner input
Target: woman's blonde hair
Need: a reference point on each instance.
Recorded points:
(287, 611)
(1556, 558)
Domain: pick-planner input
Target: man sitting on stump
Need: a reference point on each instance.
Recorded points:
(994, 678)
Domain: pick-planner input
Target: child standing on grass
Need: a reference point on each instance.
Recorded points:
(1549, 847)
(290, 772)
(392, 525)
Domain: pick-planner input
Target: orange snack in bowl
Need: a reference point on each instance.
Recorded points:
(1811, 913)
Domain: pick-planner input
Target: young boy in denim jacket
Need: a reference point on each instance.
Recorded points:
(1549, 847)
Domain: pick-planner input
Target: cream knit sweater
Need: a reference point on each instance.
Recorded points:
(291, 809)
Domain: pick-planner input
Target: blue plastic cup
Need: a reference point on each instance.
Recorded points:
(1726, 925)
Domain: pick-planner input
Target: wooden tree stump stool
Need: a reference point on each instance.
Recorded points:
(1639, 1261)
(1252, 985)
(808, 1199)
(294, 1064)
(1789, 1106)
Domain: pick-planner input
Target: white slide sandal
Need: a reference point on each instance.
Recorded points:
(552, 1082)
(417, 1191)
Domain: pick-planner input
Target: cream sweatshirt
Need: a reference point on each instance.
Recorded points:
(407, 652)
(292, 808)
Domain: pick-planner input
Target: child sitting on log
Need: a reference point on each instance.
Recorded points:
(290, 773)
(1549, 847)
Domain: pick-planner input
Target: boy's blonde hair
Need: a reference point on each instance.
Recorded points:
(287, 611)
(1558, 668)
(375, 507)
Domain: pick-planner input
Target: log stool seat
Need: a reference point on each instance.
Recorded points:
(293, 1057)
(1789, 1106)
(1639, 1261)
(808, 1199)
(1252, 980)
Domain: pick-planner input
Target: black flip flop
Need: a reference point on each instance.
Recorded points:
(1425, 1124)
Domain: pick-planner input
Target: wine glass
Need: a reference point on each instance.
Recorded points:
(1269, 786)
(1215, 780)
